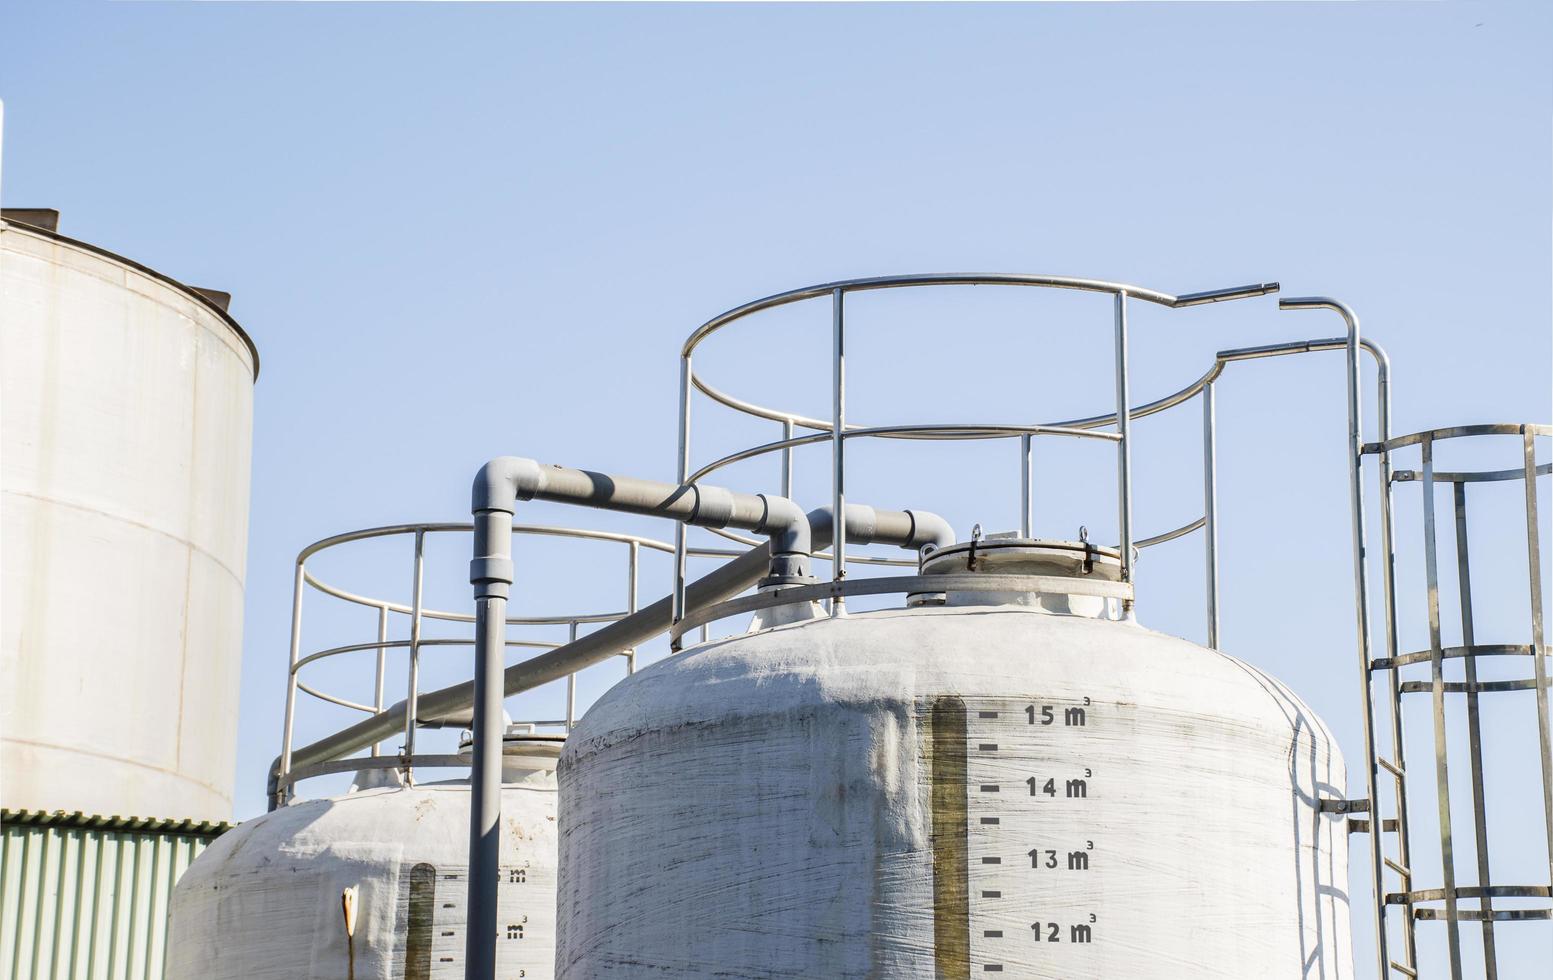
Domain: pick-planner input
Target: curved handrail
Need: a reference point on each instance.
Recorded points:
(967, 279)
(535, 530)
(1072, 427)
(1460, 431)
(438, 641)
(418, 612)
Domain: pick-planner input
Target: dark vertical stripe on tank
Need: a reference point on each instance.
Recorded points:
(423, 904)
(951, 866)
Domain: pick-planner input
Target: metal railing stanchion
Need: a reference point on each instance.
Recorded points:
(1124, 445)
(1210, 495)
(382, 663)
(298, 586)
(412, 698)
(1026, 488)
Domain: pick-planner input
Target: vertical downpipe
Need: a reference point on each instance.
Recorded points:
(838, 494)
(493, 549)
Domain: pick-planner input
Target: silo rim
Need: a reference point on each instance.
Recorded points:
(188, 291)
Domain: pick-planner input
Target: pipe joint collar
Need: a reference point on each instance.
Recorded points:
(714, 506)
(787, 571)
(491, 575)
(928, 528)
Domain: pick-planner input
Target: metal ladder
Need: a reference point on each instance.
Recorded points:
(1397, 888)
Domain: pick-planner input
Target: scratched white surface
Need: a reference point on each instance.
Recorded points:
(761, 807)
(263, 901)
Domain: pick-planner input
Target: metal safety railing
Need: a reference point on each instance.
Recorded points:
(1114, 427)
(411, 617)
(837, 430)
(1530, 898)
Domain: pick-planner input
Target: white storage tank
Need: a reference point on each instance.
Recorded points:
(1020, 783)
(125, 433)
(265, 901)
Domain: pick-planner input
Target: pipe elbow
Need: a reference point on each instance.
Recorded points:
(927, 528)
(503, 481)
(1323, 303)
(787, 526)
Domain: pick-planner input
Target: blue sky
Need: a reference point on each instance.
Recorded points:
(463, 231)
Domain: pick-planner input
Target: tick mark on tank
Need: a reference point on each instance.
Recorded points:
(989, 787)
(990, 820)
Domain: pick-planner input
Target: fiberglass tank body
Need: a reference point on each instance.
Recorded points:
(264, 901)
(1013, 783)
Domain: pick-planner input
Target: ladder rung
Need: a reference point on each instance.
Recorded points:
(1406, 971)
(1404, 872)
(1388, 826)
(1389, 766)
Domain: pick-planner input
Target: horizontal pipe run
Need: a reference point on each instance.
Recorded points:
(504, 481)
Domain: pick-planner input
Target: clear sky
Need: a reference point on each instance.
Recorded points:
(456, 232)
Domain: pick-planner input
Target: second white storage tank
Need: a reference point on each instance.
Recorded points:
(265, 901)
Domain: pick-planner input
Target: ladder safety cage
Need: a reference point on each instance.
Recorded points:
(1453, 903)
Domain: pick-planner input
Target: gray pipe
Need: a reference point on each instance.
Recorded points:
(498, 487)
(505, 480)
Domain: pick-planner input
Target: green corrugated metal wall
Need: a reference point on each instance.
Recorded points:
(88, 897)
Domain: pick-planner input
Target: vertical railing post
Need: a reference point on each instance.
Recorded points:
(571, 686)
(1394, 681)
(1355, 453)
(787, 459)
(838, 494)
(412, 699)
(1437, 677)
(1026, 490)
(632, 571)
(382, 663)
(1538, 649)
(1474, 724)
(1210, 501)
(298, 585)
(1123, 445)
(682, 469)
